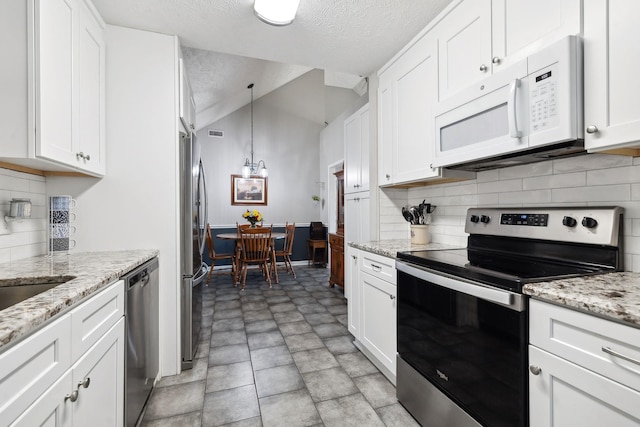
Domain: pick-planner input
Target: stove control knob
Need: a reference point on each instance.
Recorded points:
(589, 222)
(485, 219)
(474, 219)
(569, 221)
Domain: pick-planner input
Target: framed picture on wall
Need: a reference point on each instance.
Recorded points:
(248, 191)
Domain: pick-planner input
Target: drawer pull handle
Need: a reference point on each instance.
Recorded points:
(72, 397)
(535, 370)
(376, 267)
(620, 356)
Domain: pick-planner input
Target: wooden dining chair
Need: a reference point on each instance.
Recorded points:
(215, 256)
(287, 248)
(255, 250)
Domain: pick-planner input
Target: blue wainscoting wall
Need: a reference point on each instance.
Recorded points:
(226, 246)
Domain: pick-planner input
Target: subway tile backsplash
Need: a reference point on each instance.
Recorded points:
(593, 179)
(26, 238)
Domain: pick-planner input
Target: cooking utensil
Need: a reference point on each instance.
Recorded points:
(415, 214)
(407, 215)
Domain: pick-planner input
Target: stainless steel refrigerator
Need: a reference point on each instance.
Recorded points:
(193, 217)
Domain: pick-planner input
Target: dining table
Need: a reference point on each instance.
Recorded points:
(235, 236)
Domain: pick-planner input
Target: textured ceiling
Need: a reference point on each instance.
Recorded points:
(346, 36)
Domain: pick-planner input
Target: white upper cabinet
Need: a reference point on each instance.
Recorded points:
(479, 37)
(407, 96)
(611, 39)
(68, 84)
(406, 93)
(356, 151)
(464, 46)
(521, 27)
(60, 68)
(91, 93)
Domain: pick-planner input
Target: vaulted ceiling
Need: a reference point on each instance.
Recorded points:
(226, 47)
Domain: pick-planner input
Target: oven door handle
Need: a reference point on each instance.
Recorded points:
(506, 298)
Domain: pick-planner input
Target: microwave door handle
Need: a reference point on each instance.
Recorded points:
(511, 110)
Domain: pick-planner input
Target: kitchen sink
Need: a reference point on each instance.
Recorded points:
(11, 293)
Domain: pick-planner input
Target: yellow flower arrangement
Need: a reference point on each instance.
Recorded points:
(253, 216)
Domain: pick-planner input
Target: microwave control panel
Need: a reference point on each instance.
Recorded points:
(543, 89)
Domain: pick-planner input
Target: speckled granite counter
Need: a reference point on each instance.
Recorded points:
(613, 295)
(90, 271)
(390, 248)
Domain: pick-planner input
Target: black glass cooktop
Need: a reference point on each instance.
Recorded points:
(502, 270)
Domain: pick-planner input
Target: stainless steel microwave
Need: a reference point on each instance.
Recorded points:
(532, 107)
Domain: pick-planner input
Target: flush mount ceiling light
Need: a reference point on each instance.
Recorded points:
(251, 168)
(276, 12)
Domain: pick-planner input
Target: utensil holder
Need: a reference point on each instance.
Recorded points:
(419, 234)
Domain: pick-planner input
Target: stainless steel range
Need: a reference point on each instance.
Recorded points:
(462, 318)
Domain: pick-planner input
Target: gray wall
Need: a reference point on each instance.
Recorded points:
(287, 126)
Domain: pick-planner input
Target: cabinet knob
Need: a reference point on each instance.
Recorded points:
(495, 60)
(85, 383)
(392, 297)
(535, 370)
(388, 176)
(592, 129)
(72, 397)
(483, 68)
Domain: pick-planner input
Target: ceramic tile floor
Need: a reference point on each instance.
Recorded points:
(276, 357)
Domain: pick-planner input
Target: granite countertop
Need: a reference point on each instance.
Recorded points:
(90, 271)
(612, 295)
(390, 248)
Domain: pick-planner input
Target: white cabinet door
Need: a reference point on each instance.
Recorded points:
(416, 94)
(55, 33)
(99, 378)
(53, 407)
(91, 96)
(356, 217)
(357, 146)
(353, 291)
(564, 394)
(611, 60)
(30, 367)
(68, 87)
(386, 175)
(521, 27)
(464, 46)
(378, 313)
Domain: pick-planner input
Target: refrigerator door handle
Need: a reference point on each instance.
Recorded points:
(206, 208)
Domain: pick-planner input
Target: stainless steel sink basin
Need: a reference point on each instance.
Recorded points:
(11, 294)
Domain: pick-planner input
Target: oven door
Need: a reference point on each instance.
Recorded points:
(468, 340)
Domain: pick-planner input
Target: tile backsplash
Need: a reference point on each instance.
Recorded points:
(28, 237)
(594, 179)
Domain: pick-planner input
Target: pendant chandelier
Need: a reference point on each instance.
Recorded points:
(251, 168)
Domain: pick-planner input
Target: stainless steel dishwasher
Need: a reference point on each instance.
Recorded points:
(142, 333)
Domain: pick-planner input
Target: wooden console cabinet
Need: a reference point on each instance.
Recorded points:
(336, 243)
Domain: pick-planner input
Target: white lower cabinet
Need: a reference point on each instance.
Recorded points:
(379, 319)
(90, 393)
(582, 370)
(98, 378)
(352, 290)
(372, 308)
(59, 378)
